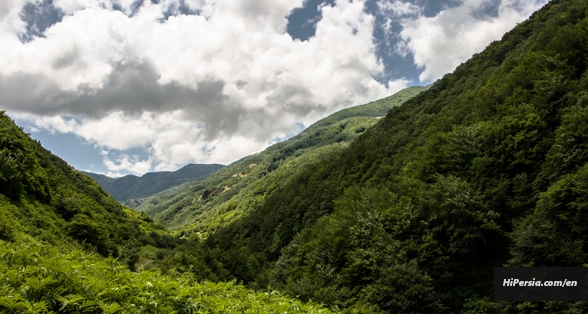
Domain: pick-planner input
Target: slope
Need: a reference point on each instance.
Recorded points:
(235, 189)
(132, 190)
(485, 168)
(57, 226)
(42, 198)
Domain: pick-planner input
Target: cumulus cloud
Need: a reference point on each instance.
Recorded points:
(211, 80)
(441, 42)
(211, 86)
(126, 163)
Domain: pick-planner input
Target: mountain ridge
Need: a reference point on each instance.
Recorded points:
(410, 213)
(131, 190)
(484, 169)
(233, 189)
(66, 246)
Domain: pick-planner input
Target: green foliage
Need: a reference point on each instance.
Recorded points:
(555, 233)
(20, 168)
(570, 149)
(7, 229)
(190, 257)
(220, 199)
(408, 213)
(43, 279)
(485, 168)
(89, 232)
(390, 251)
(43, 198)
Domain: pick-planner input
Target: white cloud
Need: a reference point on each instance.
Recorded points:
(398, 8)
(126, 163)
(397, 85)
(10, 7)
(50, 123)
(119, 131)
(70, 7)
(169, 137)
(441, 43)
(217, 86)
(212, 87)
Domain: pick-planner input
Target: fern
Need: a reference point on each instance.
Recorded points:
(43, 279)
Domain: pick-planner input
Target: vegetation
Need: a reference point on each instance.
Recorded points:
(43, 198)
(42, 279)
(409, 213)
(66, 246)
(201, 207)
(487, 167)
(132, 190)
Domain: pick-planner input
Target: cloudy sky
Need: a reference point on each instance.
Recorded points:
(131, 86)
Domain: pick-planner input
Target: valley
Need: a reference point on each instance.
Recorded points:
(401, 205)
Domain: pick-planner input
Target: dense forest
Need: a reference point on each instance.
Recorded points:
(407, 213)
(487, 167)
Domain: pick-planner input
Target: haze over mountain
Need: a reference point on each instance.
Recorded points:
(132, 190)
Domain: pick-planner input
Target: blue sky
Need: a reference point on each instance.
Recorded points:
(131, 86)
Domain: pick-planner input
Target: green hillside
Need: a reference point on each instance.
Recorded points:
(234, 190)
(43, 198)
(66, 246)
(487, 167)
(408, 213)
(132, 190)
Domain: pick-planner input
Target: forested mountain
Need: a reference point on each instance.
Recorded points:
(43, 198)
(66, 246)
(227, 194)
(132, 190)
(404, 214)
(487, 167)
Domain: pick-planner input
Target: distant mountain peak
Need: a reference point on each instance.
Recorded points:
(132, 190)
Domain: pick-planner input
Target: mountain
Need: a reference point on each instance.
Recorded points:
(409, 213)
(234, 190)
(43, 198)
(132, 190)
(486, 168)
(66, 246)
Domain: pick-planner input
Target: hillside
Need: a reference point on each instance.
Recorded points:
(66, 246)
(232, 191)
(132, 190)
(408, 213)
(43, 198)
(487, 167)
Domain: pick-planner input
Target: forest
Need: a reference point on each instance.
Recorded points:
(408, 213)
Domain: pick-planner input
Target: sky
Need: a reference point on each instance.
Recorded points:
(132, 86)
